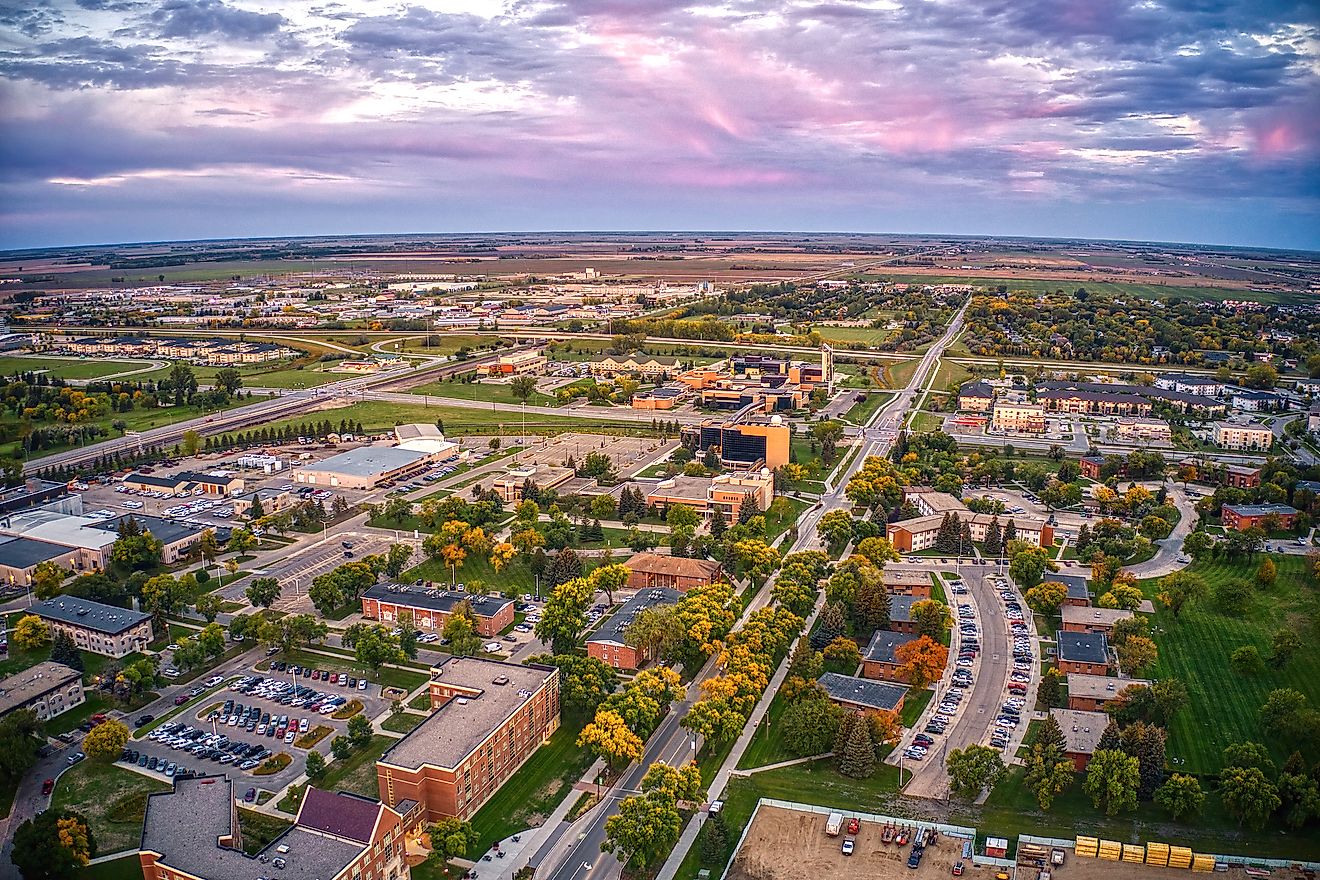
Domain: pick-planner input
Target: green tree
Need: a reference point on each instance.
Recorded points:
(931, 618)
(644, 830)
(461, 631)
(1246, 660)
(375, 647)
(229, 380)
(182, 383)
(522, 387)
(1046, 598)
(31, 633)
(263, 592)
(1283, 646)
(1049, 770)
(974, 769)
(54, 845)
(315, 764)
(564, 616)
(1289, 713)
(1180, 588)
(397, 560)
(208, 605)
(809, 725)
(1028, 564)
(836, 527)
(1248, 796)
(453, 838)
(858, 757)
(1112, 781)
(47, 578)
(1181, 795)
(161, 595)
(1299, 795)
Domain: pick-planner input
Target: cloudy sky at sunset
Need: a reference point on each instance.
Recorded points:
(1182, 120)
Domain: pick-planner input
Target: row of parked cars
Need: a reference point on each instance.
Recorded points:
(343, 679)
(286, 693)
(254, 720)
(200, 743)
(1010, 713)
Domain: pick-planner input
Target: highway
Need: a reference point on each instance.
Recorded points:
(584, 859)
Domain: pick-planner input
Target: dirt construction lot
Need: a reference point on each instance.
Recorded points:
(789, 845)
(1098, 869)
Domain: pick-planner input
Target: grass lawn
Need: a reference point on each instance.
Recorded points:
(869, 335)
(532, 793)
(913, 705)
(784, 512)
(67, 368)
(357, 774)
(378, 415)
(402, 678)
(1195, 648)
(766, 747)
(860, 413)
(113, 799)
(948, 374)
(925, 422)
(899, 373)
(489, 391)
(404, 722)
(127, 868)
(421, 702)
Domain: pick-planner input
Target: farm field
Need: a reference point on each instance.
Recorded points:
(68, 368)
(1207, 293)
(1195, 648)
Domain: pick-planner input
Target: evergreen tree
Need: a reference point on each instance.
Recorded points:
(718, 526)
(994, 537)
(1010, 533)
(946, 536)
(1110, 740)
(858, 759)
(831, 626)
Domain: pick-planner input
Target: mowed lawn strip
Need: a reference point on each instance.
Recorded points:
(113, 799)
(1225, 705)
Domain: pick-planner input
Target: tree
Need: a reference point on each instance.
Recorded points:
(1246, 660)
(1288, 713)
(453, 837)
(974, 769)
(564, 616)
(810, 724)
(1266, 574)
(858, 757)
(1112, 781)
(608, 579)
(1232, 597)
(397, 560)
(63, 650)
(315, 764)
(341, 747)
(1261, 376)
(584, 682)
(1137, 653)
(375, 647)
(208, 605)
(54, 845)
(461, 631)
(1145, 742)
(21, 735)
(1283, 646)
(1121, 595)
(931, 618)
(842, 655)
(921, 661)
(1181, 795)
(1248, 754)
(47, 578)
(644, 830)
(31, 633)
(1052, 689)
(1028, 564)
(836, 527)
(522, 387)
(1300, 798)
(1046, 598)
(106, 741)
(1049, 770)
(1170, 697)
(1198, 544)
(229, 380)
(756, 558)
(241, 541)
(1248, 796)
(263, 592)
(715, 841)
(1180, 588)
(681, 783)
(609, 738)
(162, 595)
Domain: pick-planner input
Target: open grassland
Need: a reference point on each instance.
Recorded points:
(68, 368)
(1210, 292)
(899, 373)
(488, 391)
(383, 416)
(1195, 648)
(868, 335)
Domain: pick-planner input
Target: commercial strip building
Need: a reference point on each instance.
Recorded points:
(1081, 734)
(1252, 437)
(1083, 652)
(364, 468)
(192, 833)
(48, 689)
(516, 364)
(651, 570)
(1240, 517)
(863, 694)
(217, 484)
(1092, 693)
(431, 608)
(94, 627)
(487, 718)
(609, 643)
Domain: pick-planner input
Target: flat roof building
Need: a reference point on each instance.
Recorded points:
(863, 694)
(432, 607)
(1092, 693)
(1241, 517)
(1081, 733)
(47, 689)
(94, 627)
(19, 558)
(609, 643)
(487, 718)
(1084, 652)
(364, 468)
(1092, 620)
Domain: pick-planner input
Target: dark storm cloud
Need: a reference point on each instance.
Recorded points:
(199, 18)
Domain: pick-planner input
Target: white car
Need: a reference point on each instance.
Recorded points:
(491, 647)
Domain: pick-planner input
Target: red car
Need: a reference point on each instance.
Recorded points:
(854, 825)
(47, 786)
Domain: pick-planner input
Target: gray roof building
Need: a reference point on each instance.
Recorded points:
(21, 688)
(862, 693)
(900, 608)
(1078, 586)
(883, 645)
(20, 552)
(367, 461)
(1082, 647)
(613, 630)
(167, 531)
(436, 600)
(1081, 730)
(93, 615)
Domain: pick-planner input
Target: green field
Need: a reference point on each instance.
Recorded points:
(273, 375)
(127, 868)
(382, 415)
(1195, 648)
(1116, 288)
(113, 799)
(868, 335)
(446, 344)
(898, 373)
(481, 391)
(948, 374)
(862, 413)
(925, 422)
(67, 368)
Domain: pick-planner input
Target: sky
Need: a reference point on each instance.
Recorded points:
(1170, 120)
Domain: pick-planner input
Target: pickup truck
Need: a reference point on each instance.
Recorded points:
(834, 824)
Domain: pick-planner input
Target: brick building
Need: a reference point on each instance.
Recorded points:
(1090, 466)
(48, 689)
(1241, 517)
(1240, 477)
(1083, 652)
(431, 607)
(650, 570)
(863, 694)
(487, 718)
(1081, 734)
(902, 582)
(1092, 620)
(1092, 693)
(609, 643)
(880, 660)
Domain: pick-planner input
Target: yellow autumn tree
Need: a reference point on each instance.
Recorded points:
(608, 737)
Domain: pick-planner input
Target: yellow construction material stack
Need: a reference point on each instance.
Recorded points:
(1111, 850)
(1157, 854)
(1134, 852)
(1180, 857)
(1086, 846)
(1203, 862)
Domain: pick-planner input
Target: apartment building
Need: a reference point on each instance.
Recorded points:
(1081, 734)
(1138, 430)
(1092, 693)
(862, 694)
(487, 718)
(976, 397)
(1081, 402)
(650, 570)
(1240, 517)
(646, 366)
(1017, 418)
(1090, 466)
(48, 689)
(1186, 383)
(1092, 620)
(431, 608)
(1253, 436)
(880, 659)
(919, 533)
(516, 364)
(901, 582)
(1084, 652)
(609, 643)
(94, 627)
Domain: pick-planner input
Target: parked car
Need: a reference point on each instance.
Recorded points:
(47, 787)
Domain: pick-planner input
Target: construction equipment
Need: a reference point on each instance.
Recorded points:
(833, 824)
(887, 835)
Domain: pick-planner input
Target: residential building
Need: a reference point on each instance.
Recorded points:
(192, 832)
(880, 659)
(1241, 517)
(900, 613)
(1255, 401)
(1079, 589)
(1253, 436)
(929, 502)
(1018, 418)
(48, 689)
(1187, 383)
(609, 643)
(1085, 402)
(1090, 466)
(1092, 620)
(1313, 418)
(976, 396)
(1081, 734)
(431, 607)
(650, 570)
(1132, 429)
(97, 628)
(1082, 652)
(862, 694)
(1092, 693)
(744, 445)
(365, 468)
(646, 366)
(487, 718)
(913, 535)
(1240, 477)
(902, 582)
